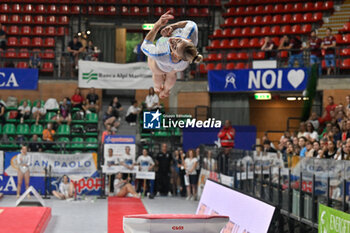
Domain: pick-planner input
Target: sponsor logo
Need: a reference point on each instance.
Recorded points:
(151, 120)
(90, 76)
(177, 228)
(231, 79)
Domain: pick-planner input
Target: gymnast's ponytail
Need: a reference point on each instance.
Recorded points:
(197, 59)
(191, 54)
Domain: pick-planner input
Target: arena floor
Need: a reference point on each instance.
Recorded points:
(90, 216)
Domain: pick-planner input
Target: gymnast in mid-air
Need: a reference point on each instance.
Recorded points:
(173, 52)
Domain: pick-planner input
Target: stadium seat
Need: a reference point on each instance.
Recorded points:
(254, 43)
(286, 29)
(258, 55)
(240, 65)
(345, 52)
(266, 30)
(210, 66)
(249, 10)
(218, 66)
(257, 20)
(345, 64)
(268, 9)
(51, 19)
(242, 56)
(230, 66)
(36, 129)
(202, 68)
(309, 6)
(134, 11)
(259, 9)
(40, 9)
(63, 9)
(13, 30)
(15, 19)
(231, 56)
(47, 67)
(39, 19)
(12, 41)
(211, 57)
(298, 7)
(346, 39)
(240, 10)
(22, 65)
(217, 33)
(224, 44)
(244, 43)
(296, 29)
(99, 10)
(62, 142)
(287, 18)
(3, 18)
(51, 9)
(256, 31)
(76, 143)
(37, 42)
(25, 30)
(38, 30)
(28, 8)
(277, 19)
(60, 31)
(5, 8)
(49, 116)
(22, 129)
(214, 44)
(193, 12)
(278, 8)
(27, 19)
(75, 9)
(245, 31)
(23, 53)
(236, 32)
(93, 143)
(63, 130)
(288, 8)
(328, 5)
(267, 19)
(63, 20)
(308, 17)
(48, 54)
(306, 29)
(50, 31)
(234, 43)
(24, 42)
(297, 18)
(49, 42)
(111, 10)
(158, 11)
(248, 20)
(9, 129)
(283, 54)
(238, 21)
(10, 53)
(203, 12)
(275, 30)
(37, 51)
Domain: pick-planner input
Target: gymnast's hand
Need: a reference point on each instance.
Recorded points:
(163, 20)
(166, 32)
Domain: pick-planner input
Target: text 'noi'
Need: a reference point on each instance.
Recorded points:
(265, 79)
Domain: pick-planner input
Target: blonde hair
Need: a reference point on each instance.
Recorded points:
(191, 54)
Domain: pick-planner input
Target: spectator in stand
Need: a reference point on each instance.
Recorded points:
(48, 136)
(331, 150)
(38, 112)
(132, 113)
(110, 119)
(314, 120)
(336, 133)
(302, 130)
(293, 44)
(223, 158)
(267, 147)
(269, 47)
(23, 111)
(326, 117)
(163, 162)
(311, 135)
(327, 130)
(2, 112)
(316, 147)
(91, 52)
(35, 145)
(152, 100)
(77, 100)
(64, 113)
(328, 44)
(314, 44)
(209, 162)
(35, 61)
(117, 107)
(108, 131)
(302, 145)
(289, 154)
(227, 135)
(2, 38)
(75, 48)
(309, 153)
(343, 152)
(346, 134)
(92, 101)
(191, 175)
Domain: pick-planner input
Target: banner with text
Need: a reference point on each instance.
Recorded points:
(1, 162)
(332, 221)
(19, 79)
(286, 79)
(84, 165)
(114, 76)
(120, 144)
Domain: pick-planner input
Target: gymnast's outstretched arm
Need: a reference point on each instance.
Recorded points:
(163, 20)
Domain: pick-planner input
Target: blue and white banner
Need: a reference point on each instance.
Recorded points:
(286, 79)
(18, 79)
(84, 165)
(121, 145)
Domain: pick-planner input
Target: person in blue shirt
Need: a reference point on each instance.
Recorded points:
(302, 145)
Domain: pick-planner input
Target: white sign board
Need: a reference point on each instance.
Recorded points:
(121, 169)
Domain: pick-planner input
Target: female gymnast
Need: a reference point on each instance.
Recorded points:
(23, 162)
(173, 52)
(65, 190)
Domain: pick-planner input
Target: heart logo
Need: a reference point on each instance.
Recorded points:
(295, 77)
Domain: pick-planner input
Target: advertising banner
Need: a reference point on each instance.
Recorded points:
(84, 165)
(1, 162)
(121, 169)
(18, 79)
(114, 76)
(286, 79)
(246, 214)
(119, 145)
(332, 221)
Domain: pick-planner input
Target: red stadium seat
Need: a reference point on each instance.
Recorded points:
(249, 10)
(111, 10)
(228, 22)
(259, 9)
(346, 39)
(345, 64)
(306, 28)
(298, 18)
(13, 30)
(254, 43)
(5, 8)
(50, 31)
(231, 56)
(236, 32)
(277, 19)
(328, 5)
(99, 10)
(210, 66)
(276, 40)
(134, 10)
(287, 18)
(211, 57)
(248, 20)
(215, 44)
(298, 7)
(219, 66)
(63, 20)
(234, 43)
(158, 11)
(258, 55)
(16, 8)
(266, 30)
(61, 31)
(239, 10)
(49, 42)
(240, 65)
(268, 9)
(125, 10)
(24, 42)
(15, 19)
(256, 31)
(36, 51)
(75, 10)
(27, 19)
(278, 8)
(244, 43)
(52, 9)
(318, 16)
(284, 54)
(257, 20)
(25, 30)
(242, 56)
(192, 2)
(3, 18)
(288, 8)
(308, 17)
(338, 38)
(224, 44)
(51, 19)
(203, 12)
(63, 9)
(238, 21)
(275, 30)
(227, 32)
(230, 12)
(145, 11)
(318, 6)
(286, 29)
(245, 31)
(22, 65)
(267, 19)
(193, 12)
(217, 33)
(202, 68)
(48, 54)
(37, 42)
(38, 30)
(23, 53)
(345, 52)
(12, 41)
(346, 27)
(39, 19)
(40, 9)
(309, 6)
(230, 66)
(47, 67)
(296, 29)
(10, 53)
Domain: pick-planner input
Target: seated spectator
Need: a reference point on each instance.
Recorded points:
(314, 44)
(122, 188)
(77, 100)
(117, 107)
(38, 112)
(328, 44)
(302, 130)
(2, 38)
(314, 120)
(92, 102)
(331, 150)
(91, 52)
(23, 112)
(311, 135)
(309, 153)
(2, 112)
(316, 147)
(293, 44)
(132, 113)
(326, 117)
(35, 61)
(302, 145)
(110, 119)
(108, 131)
(269, 47)
(48, 136)
(65, 190)
(336, 133)
(64, 113)
(35, 145)
(152, 100)
(268, 148)
(346, 133)
(75, 48)
(327, 130)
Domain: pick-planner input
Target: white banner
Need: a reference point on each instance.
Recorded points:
(121, 169)
(84, 165)
(114, 76)
(1, 162)
(146, 175)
